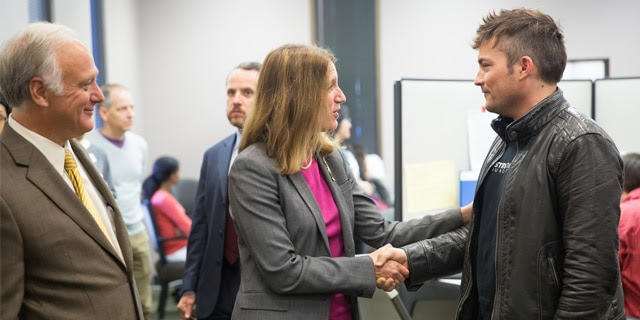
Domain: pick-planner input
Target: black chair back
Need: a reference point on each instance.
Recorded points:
(185, 193)
(166, 272)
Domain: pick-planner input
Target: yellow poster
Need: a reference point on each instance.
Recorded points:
(430, 186)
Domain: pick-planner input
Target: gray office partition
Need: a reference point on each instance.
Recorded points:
(580, 94)
(617, 110)
(430, 126)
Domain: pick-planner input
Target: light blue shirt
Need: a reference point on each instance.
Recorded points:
(128, 166)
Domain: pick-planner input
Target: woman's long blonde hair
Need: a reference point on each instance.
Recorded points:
(290, 105)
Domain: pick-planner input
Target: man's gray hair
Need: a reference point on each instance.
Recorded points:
(32, 53)
(107, 91)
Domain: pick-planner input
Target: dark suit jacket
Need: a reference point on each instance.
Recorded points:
(287, 268)
(55, 261)
(205, 248)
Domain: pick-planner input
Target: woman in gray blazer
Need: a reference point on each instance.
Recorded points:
(296, 204)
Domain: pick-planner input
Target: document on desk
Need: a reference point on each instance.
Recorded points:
(429, 186)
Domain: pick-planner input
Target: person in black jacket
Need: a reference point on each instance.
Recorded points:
(210, 280)
(543, 241)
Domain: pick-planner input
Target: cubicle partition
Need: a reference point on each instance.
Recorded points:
(441, 130)
(617, 110)
(430, 142)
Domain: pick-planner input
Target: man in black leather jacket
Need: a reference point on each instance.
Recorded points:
(542, 243)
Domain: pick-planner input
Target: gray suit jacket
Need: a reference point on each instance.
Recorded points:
(55, 262)
(287, 268)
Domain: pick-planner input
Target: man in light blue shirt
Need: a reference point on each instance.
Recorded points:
(127, 154)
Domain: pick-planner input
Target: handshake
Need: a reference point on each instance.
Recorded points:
(391, 266)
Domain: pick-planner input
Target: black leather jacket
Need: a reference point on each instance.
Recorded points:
(556, 246)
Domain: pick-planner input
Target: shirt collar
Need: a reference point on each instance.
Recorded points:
(238, 138)
(52, 151)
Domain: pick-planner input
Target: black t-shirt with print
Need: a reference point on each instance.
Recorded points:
(492, 188)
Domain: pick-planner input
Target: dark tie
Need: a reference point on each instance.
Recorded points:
(230, 237)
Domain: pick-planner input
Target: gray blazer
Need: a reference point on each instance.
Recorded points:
(55, 262)
(287, 268)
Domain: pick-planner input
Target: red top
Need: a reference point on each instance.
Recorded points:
(629, 252)
(340, 304)
(171, 220)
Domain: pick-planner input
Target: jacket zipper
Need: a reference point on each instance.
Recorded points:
(554, 272)
(483, 175)
(496, 294)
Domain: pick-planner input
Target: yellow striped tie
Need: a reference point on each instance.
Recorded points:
(71, 168)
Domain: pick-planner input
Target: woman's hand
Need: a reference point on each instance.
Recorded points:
(391, 267)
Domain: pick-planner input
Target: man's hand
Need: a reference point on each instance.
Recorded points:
(391, 267)
(388, 252)
(185, 305)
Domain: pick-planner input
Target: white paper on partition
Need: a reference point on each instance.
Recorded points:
(481, 135)
(430, 186)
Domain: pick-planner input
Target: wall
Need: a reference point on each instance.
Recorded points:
(186, 50)
(76, 14)
(13, 16)
(122, 54)
(175, 57)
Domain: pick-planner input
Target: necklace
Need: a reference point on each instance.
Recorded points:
(328, 169)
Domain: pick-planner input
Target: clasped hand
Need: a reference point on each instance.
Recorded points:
(391, 267)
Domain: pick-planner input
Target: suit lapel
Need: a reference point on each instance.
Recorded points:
(224, 166)
(44, 176)
(334, 179)
(309, 199)
(116, 218)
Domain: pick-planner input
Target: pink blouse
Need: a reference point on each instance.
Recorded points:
(340, 303)
(172, 220)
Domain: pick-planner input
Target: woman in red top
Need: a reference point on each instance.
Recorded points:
(629, 230)
(171, 218)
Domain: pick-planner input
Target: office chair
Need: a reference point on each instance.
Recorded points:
(383, 306)
(166, 272)
(435, 299)
(185, 193)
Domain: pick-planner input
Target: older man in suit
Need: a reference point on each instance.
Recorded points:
(212, 273)
(64, 249)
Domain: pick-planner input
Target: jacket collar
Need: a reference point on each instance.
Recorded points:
(330, 168)
(298, 181)
(223, 167)
(42, 174)
(532, 122)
